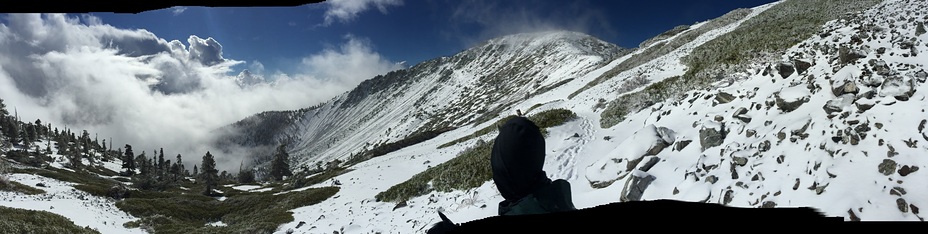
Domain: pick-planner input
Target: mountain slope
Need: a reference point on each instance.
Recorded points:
(469, 88)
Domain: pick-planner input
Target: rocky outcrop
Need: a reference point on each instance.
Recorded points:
(785, 69)
(711, 137)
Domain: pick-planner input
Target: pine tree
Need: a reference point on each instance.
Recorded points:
(280, 166)
(180, 167)
(3, 111)
(128, 162)
(75, 158)
(142, 161)
(210, 174)
(161, 166)
(196, 174)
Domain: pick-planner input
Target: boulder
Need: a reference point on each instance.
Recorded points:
(790, 99)
(897, 87)
(711, 137)
(801, 65)
(887, 167)
(724, 97)
(785, 69)
(921, 76)
(848, 87)
(635, 186)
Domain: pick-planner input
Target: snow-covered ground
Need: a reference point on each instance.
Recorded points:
(63, 199)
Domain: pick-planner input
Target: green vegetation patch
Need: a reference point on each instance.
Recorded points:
(243, 213)
(14, 220)
(14, 186)
(468, 170)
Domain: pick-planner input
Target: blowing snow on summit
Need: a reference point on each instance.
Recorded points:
(373, 116)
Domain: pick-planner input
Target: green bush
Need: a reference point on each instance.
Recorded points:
(14, 220)
(14, 186)
(468, 170)
(243, 213)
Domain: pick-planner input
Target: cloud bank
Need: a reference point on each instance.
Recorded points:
(348, 10)
(499, 18)
(139, 89)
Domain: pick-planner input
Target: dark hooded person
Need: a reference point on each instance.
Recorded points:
(517, 159)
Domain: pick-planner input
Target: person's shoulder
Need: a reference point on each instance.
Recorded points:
(557, 196)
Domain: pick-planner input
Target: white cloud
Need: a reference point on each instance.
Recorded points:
(500, 18)
(178, 10)
(142, 90)
(351, 63)
(348, 10)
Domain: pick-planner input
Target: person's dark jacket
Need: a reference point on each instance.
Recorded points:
(517, 160)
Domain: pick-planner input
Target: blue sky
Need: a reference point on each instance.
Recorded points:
(412, 31)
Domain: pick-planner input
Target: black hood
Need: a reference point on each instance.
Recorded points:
(518, 158)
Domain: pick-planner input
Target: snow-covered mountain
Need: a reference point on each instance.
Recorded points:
(471, 87)
(811, 103)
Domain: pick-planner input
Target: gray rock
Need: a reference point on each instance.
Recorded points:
(897, 87)
(712, 179)
(921, 125)
(744, 118)
(887, 167)
(740, 111)
(788, 106)
(801, 66)
(710, 137)
(785, 69)
(769, 204)
(724, 97)
(635, 187)
(667, 135)
(848, 55)
(728, 197)
(740, 161)
(921, 76)
(846, 88)
(649, 163)
(750, 133)
(832, 107)
(906, 170)
(680, 145)
(903, 206)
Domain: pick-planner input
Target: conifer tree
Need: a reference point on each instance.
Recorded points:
(210, 175)
(280, 166)
(142, 161)
(161, 166)
(179, 170)
(128, 161)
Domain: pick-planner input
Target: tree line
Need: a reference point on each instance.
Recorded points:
(20, 141)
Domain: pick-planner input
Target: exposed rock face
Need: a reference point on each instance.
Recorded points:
(789, 105)
(785, 69)
(724, 97)
(801, 66)
(635, 186)
(711, 137)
